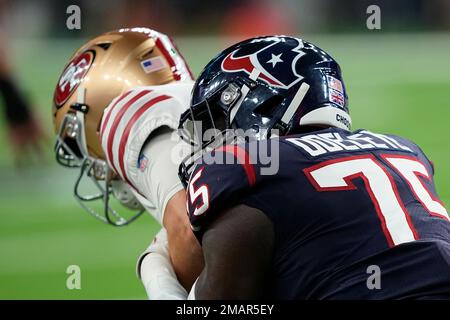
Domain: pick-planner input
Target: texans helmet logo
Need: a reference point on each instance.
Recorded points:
(273, 63)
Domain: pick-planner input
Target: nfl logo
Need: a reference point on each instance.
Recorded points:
(142, 163)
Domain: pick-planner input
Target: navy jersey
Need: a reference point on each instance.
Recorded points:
(355, 214)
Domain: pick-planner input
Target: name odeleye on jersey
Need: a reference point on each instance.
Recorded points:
(226, 309)
(321, 143)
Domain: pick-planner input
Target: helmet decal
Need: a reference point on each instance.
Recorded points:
(169, 50)
(71, 77)
(270, 63)
(336, 91)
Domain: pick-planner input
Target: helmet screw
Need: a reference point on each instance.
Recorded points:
(229, 95)
(226, 97)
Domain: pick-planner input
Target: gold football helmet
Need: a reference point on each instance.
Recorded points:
(99, 71)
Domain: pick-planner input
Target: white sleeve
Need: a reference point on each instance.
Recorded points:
(158, 177)
(126, 126)
(156, 272)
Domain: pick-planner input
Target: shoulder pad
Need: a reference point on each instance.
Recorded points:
(130, 119)
(215, 186)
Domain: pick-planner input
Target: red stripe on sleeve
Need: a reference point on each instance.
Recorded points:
(244, 159)
(116, 122)
(102, 130)
(128, 128)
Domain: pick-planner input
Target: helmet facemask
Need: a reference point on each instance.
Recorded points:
(211, 123)
(95, 174)
(106, 67)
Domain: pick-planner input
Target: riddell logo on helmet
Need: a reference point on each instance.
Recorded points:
(72, 76)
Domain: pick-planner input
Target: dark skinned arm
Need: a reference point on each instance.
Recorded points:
(237, 248)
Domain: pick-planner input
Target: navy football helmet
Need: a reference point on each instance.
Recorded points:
(263, 86)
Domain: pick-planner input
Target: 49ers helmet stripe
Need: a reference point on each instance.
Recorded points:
(183, 62)
(128, 128)
(177, 64)
(169, 59)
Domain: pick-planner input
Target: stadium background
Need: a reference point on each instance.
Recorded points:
(398, 80)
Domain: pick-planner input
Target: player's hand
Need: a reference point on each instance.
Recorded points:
(27, 138)
(156, 271)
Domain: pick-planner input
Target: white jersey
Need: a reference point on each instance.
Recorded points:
(127, 124)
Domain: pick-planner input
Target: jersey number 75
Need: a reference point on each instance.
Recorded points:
(337, 175)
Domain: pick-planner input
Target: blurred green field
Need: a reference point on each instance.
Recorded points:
(397, 84)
